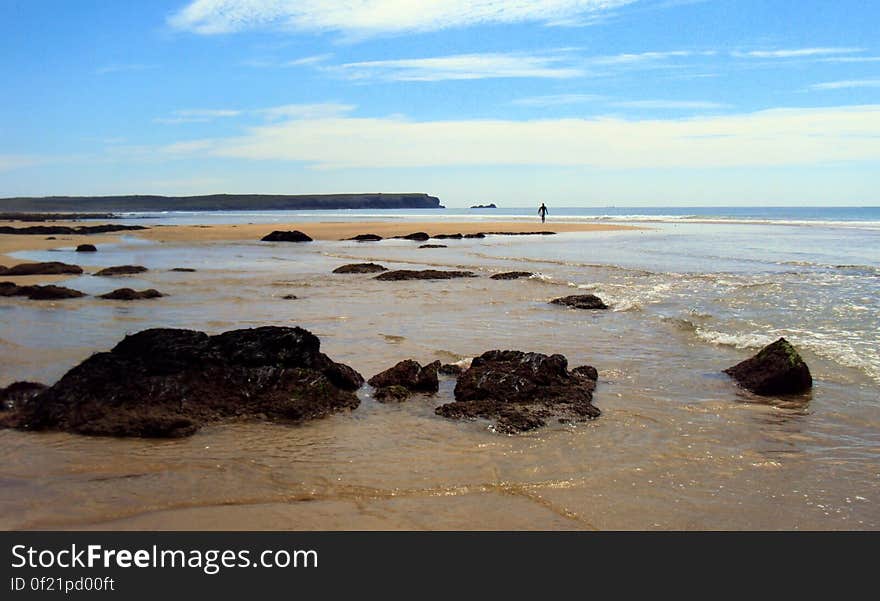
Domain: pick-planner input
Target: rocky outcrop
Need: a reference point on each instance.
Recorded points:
(86, 248)
(521, 391)
(776, 369)
(512, 275)
(433, 246)
(292, 236)
(366, 238)
(360, 268)
(491, 205)
(49, 268)
(398, 382)
(424, 274)
(121, 270)
(168, 383)
(37, 292)
(56, 230)
(18, 393)
(128, 294)
(417, 236)
(580, 301)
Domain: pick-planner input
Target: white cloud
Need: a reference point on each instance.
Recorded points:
(847, 84)
(796, 52)
(197, 116)
(641, 57)
(556, 99)
(462, 66)
(671, 104)
(766, 138)
(366, 17)
(306, 111)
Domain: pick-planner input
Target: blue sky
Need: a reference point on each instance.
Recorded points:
(573, 102)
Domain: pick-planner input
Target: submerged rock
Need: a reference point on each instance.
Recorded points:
(433, 246)
(423, 274)
(538, 233)
(398, 382)
(47, 268)
(121, 270)
(520, 391)
(86, 248)
(366, 238)
(169, 382)
(360, 268)
(581, 301)
(37, 292)
(128, 294)
(477, 235)
(183, 269)
(448, 237)
(18, 393)
(417, 236)
(289, 297)
(776, 369)
(280, 236)
(512, 275)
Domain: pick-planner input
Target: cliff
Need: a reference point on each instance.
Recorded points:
(222, 202)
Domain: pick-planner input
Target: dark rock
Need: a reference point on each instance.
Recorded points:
(127, 294)
(183, 269)
(450, 369)
(520, 391)
(433, 246)
(448, 237)
(366, 238)
(168, 383)
(395, 393)
(37, 292)
(586, 371)
(279, 236)
(581, 301)
(50, 268)
(538, 233)
(491, 205)
(19, 393)
(122, 270)
(424, 274)
(86, 248)
(51, 238)
(290, 297)
(410, 375)
(477, 235)
(45, 230)
(418, 237)
(776, 369)
(360, 268)
(512, 275)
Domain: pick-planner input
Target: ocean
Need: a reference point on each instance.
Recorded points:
(693, 291)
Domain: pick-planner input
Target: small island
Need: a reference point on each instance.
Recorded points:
(488, 206)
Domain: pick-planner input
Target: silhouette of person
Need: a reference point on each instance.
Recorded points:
(543, 212)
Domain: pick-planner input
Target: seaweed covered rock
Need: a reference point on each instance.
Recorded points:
(407, 375)
(580, 301)
(121, 270)
(37, 292)
(128, 294)
(360, 268)
(170, 382)
(86, 248)
(18, 393)
(417, 236)
(48, 268)
(776, 369)
(293, 236)
(521, 391)
(366, 238)
(423, 274)
(512, 275)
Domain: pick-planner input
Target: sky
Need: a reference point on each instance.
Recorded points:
(569, 102)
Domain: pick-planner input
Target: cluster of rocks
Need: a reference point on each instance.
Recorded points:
(423, 236)
(407, 377)
(53, 292)
(128, 294)
(38, 292)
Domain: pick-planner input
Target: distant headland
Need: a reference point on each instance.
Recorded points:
(222, 202)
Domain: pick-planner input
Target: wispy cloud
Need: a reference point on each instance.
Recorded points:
(306, 111)
(370, 17)
(642, 57)
(124, 67)
(305, 61)
(556, 100)
(671, 104)
(793, 136)
(463, 66)
(197, 116)
(796, 52)
(846, 84)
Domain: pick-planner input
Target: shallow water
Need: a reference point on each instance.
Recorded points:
(677, 446)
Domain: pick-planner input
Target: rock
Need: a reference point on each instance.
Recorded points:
(366, 238)
(169, 382)
(477, 235)
(279, 236)
(581, 301)
(37, 292)
(127, 294)
(450, 369)
(586, 371)
(18, 393)
(433, 246)
(410, 375)
(51, 238)
(360, 268)
(83, 230)
(424, 274)
(418, 237)
(538, 233)
(491, 205)
(183, 269)
(289, 297)
(512, 275)
(448, 237)
(121, 270)
(520, 391)
(396, 394)
(86, 248)
(776, 369)
(49, 268)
